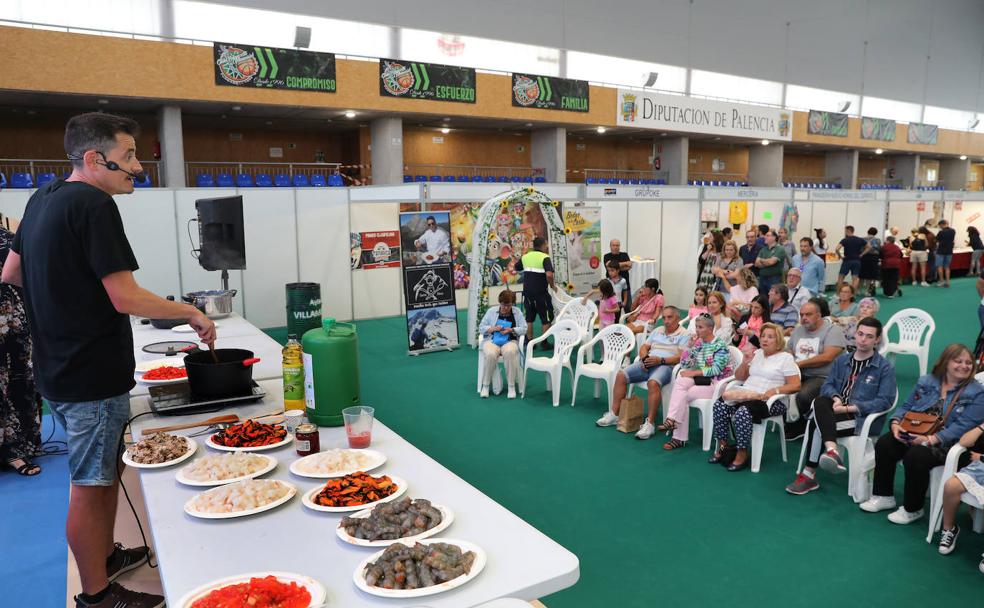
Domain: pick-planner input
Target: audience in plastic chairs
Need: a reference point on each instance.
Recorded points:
(742, 293)
(727, 264)
(764, 373)
(799, 294)
(657, 356)
(867, 307)
(860, 384)
(781, 312)
(752, 321)
(704, 363)
(647, 306)
(949, 392)
(968, 479)
(723, 326)
(502, 327)
(843, 305)
(699, 304)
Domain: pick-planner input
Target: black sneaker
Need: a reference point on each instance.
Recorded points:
(948, 540)
(123, 560)
(121, 597)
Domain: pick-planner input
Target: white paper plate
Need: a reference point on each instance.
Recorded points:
(480, 558)
(261, 448)
(308, 499)
(378, 459)
(447, 517)
(146, 366)
(269, 466)
(187, 329)
(315, 588)
(292, 490)
(191, 450)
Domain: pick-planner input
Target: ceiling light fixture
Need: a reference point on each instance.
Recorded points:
(765, 142)
(236, 108)
(963, 157)
(349, 113)
(445, 130)
(601, 130)
(878, 150)
(103, 102)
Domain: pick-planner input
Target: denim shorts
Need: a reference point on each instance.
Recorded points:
(93, 430)
(636, 372)
(850, 267)
(943, 261)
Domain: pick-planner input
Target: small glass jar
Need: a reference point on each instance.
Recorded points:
(306, 440)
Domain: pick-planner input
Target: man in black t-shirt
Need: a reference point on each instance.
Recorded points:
(622, 259)
(76, 266)
(851, 246)
(944, 253)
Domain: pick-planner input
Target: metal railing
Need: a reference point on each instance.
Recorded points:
(617, 174)
(214, 169)
(62, 168)
(717, 176)
(810, 179)
(471, 171)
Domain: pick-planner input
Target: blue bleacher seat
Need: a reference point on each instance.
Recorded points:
(407, 179)
(318, 180)
(515, 179)
(44, 178)
(263, 180)
(539, 179)
(434, 178)
(143, 183)
(502, 179)
(282, 180)
(335, 180)
(464, 178)
(301, 181)
(225, 180)
(204, 180)
(592, 180)
(3, 180)
(244, 180)
(420, 178)
(21, 180)
(490, 179)
(478, 179)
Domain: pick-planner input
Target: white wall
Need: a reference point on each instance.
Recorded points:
(322, 240)
(270, 221)
(376, 293)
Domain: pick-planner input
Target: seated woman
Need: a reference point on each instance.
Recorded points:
(844, 304)
(764, 373)
(700, 303)
(502, 327)
(743, 293)
(647, 306)
(968, 479)
(949, 392)
(724, 328)
(752, 321)
(707, 358)
(867, 307)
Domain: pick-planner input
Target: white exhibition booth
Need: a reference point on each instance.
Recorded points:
(302, 234)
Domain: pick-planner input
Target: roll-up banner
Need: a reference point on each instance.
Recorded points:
(432, 81)
(432, 318)
(242, 65)
(549, 93)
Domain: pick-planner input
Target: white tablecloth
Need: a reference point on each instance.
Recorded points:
(522, 561)
(642, 270)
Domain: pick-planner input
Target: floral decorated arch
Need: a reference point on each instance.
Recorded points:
(485, 226)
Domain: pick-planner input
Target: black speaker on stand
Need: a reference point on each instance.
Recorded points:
(222, 239)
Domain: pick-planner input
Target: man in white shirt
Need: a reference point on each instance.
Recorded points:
(657, 356)
(798, 294)
(434, 241)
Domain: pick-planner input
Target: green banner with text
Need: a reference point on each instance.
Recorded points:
(550, 93)
(426, 81)
(242, 65)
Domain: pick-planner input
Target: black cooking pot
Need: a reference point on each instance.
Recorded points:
(231, 376)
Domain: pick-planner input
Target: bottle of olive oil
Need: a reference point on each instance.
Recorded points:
(293, 367)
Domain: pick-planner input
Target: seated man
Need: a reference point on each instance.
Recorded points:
(860, 384)
(798, 293)
(781, 312)
(657, 356)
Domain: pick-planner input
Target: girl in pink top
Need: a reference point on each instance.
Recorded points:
(647, 306)
(700, 302)
(609, 306)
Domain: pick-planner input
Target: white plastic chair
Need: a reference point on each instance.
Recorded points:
(706, 406)
(582, 314)
(497, 374)
(860, 450)
(916, 328)
(617, 342)
(566, 335)
(936, 497)
(759, 430)
(559, 298)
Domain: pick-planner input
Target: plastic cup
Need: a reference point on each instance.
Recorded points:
(293, 419)
(358, 425)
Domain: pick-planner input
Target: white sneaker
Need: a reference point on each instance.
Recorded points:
(925, 284)
(878, 503)
(485, 391)
(608, 419)
(902, 517)
(512, 392)
(646, 430)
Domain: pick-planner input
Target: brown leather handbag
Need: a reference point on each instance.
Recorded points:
(928, 423)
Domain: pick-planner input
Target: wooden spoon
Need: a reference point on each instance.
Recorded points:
(190, 425)
(211, 349)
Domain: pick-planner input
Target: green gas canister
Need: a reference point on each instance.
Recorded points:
(331, 371)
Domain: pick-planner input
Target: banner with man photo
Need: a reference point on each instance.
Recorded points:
(432, 318)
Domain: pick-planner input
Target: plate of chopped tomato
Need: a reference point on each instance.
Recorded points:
(250, 436)
(354, 492)
(257, 590)
(165, 374)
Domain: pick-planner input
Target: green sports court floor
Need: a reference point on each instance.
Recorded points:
(651, 526)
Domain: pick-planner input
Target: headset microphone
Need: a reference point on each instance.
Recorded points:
(114, 166)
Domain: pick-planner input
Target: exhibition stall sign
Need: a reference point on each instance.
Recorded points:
(431, 315)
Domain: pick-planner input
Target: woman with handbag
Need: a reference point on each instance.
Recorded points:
(501, 328)
(764, 373)
(704, 362)
(943, 406)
